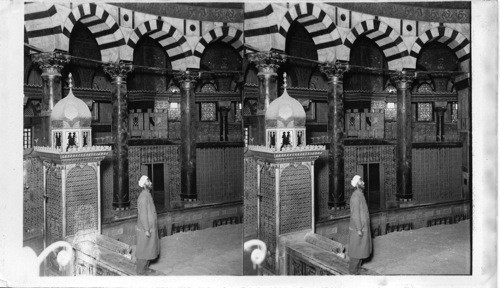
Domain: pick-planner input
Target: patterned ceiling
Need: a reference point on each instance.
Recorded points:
(436, 11)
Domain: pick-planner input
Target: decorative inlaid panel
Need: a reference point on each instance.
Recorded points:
(268, 215)
(174, 112)
(299, 266)
(383, 154)
(238, 113)
(33, 198)
(295, 202)
(322, 180)
(391, 111)
(219, 174)
(378, 104)
(208, 88)
(424, 112)
(81, 200)
(208, 111)
(250, 197)
(436, 174)
(54, 206)
(208, 132)
(167, 154)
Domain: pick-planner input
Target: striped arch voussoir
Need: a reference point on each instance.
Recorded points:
(226, 34)
(108, 35)
(324, 36)
(167, 36)
(456, 41)
(384, 36)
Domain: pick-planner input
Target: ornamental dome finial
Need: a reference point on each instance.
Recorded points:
(70, 80)
(284, 80)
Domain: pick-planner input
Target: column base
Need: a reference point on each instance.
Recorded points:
(405, 202)
(336, 207)
(121, 206)
(189, 198)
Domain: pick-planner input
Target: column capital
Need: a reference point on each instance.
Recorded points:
(440, 105)
(403, 79)
(51, 63)
(191, 76)
(118, 70)
(225, 105)
(334, 69)
(268, 61)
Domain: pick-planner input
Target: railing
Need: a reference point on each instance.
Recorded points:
(149, 124)
(365, 124)
(65, 258)
(219, 174)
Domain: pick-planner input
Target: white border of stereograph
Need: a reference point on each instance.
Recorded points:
(484, 48)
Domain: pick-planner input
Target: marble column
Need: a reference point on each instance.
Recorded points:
(336, 132)
(51, 64)
(189, 124)
(224, 107)
(119, 130)
(463, 88)
(403, 80)
(267, 64)
(440, 108)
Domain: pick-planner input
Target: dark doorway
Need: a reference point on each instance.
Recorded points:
(156, 173)
(371, 176)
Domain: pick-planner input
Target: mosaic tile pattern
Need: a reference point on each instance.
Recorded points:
(208, 111)
(81, 200)
(268, 216)
(321, 186)
(33, 198)
(295, 199)
(436, 174)
(383, 154)
(250, 197)
(54, 206)
(424, 112)
(219, 174)
(167, 154)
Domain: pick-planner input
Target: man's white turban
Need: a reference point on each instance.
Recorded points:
(142, 181)
(355, 180)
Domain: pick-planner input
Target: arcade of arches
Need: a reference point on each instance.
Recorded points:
(180, 90)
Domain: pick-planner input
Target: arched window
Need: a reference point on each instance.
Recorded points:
(365, 53)
(299, 44)
(220, 56)
(208, 88)
(425, 88)
(436, 56)
(151, 61)
(317, 81)
(82, 44)
(173, 89)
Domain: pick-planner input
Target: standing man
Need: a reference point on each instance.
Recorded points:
(148, 247)
(360, 238)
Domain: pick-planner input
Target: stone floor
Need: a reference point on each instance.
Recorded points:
(438, 250)
(211, 251)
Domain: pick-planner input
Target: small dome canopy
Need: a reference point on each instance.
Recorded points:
(285, 111)
(71, 112)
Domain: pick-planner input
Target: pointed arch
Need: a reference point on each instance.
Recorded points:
(101, 24)
(385, 37)
(319, 25)
(456, 41)
(174, 43)
(226, 34)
